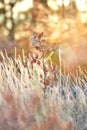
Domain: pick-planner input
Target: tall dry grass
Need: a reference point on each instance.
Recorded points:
(22, 102)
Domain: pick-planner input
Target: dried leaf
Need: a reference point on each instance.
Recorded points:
(34, 60)
(40, 35)
(26, 86)
(38, 47)
(43, 41)
(54, 65)
(29, 76)
(41, 76)
(38, 62)
(46, 82)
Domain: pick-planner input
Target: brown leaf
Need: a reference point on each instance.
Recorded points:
(46, 82)
(43, 41)
(54, 65)
(38, 62)
(41, 76)
(38, 47)
(34, 60)
(26, 86)
(40, 35)
(29, 76)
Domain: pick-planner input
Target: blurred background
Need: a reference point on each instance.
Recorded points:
(64, 21)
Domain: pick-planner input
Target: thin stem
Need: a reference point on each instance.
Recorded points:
(60, 62)
(44, 73)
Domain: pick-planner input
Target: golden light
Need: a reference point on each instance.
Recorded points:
(52, 4)
(6, 1)
(1, 5)
(53, 18)
(25, 5)
(81, 5)
(60, 2)
(83, 17)
(22, 6)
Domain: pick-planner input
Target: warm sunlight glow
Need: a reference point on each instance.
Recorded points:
(1, 5)
(22, 6)
(83, 17)
(81, 5)
(53, 18)
(66, 2)
(53, 5)
(25, 5)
